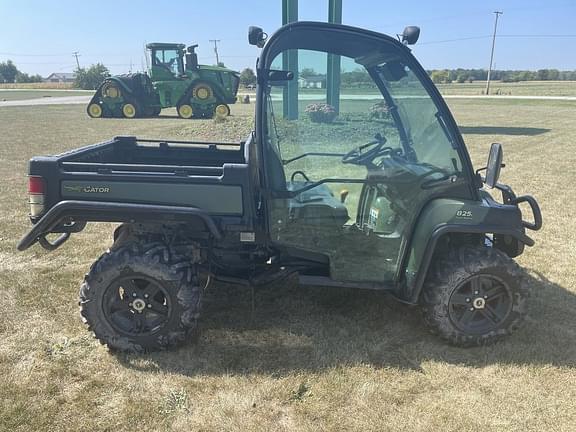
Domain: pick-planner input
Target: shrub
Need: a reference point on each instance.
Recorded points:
(321, 113)
(379, 110)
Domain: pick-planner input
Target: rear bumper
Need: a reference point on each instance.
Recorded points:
(76, 213)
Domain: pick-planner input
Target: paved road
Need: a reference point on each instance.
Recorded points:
(69, 100)
(59, 100)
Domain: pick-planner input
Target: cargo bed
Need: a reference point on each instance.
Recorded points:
(130, 179)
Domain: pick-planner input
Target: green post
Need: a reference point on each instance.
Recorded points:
(290, 62)
(333, 72)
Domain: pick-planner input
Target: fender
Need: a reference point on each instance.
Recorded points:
(91, 211)
(444, 216)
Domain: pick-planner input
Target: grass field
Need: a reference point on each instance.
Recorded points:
(307, 359)
(524, 88)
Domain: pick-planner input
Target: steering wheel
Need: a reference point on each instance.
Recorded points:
(366, 153)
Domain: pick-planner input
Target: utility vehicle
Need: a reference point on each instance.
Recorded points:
(382, 197)
(197, 91)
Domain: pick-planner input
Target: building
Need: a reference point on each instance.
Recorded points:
(315, 81)
(61, 77)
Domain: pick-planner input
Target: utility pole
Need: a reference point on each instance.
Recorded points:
(333, 63)
(216, 50)
(497, 13)
(76, 54)
(290, 63)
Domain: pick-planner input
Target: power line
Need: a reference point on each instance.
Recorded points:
(518, 36)
(454, 40)
(497, 14)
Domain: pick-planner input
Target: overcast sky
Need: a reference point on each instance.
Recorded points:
(40, 36)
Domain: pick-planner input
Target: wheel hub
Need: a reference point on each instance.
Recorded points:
(138, 305)
(479, 303)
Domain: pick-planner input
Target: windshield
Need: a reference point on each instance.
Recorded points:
(419, 117)
(311, 132)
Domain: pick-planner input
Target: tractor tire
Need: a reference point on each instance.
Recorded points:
(131, 109)
(202, 91)
(110, 90)
(185, 111)
(474, 296)
(222, 110)
(94, 110)
(141, 298)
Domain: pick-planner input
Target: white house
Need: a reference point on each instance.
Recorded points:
(315, 81)
(60, 77)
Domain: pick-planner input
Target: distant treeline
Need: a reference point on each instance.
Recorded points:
(359, 78)
(471, 75)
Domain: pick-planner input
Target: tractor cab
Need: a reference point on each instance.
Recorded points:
(166, 61)
(356, 141)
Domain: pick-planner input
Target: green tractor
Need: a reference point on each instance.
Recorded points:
(175, 79)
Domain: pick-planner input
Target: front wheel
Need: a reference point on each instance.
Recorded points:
(140, 298)
(474, 296)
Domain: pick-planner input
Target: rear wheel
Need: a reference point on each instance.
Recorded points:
(94, 110)
(110, 90)
(222, 110)
(474, 296)
(130, 110)
(202, 91)
(141, 298)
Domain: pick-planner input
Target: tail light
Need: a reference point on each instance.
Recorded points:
(36, 189)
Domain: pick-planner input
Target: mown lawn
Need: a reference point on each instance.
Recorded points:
(305, 359)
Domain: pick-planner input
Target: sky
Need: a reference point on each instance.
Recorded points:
(41, 36)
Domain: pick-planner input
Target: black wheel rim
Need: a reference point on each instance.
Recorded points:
(480, 304)
(136, 305)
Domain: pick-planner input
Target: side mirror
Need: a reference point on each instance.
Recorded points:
(280, 75)
(393, 71)
(494, 165)
(410, 35)
(256, 36)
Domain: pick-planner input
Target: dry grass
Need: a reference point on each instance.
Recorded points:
(40, 85)
(523, 88)
(307, 359)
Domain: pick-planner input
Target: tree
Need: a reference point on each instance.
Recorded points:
(91, 78)
(8, 71)
(247, 77)
(462, 77)
(307, 73)
(22, 77)
(440, 76)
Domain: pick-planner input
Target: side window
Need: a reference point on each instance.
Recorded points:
(168, 59)
(360, 118)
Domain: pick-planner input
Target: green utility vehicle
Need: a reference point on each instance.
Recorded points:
(384, 197)
(197, 91)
